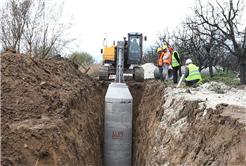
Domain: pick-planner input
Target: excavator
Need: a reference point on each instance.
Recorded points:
(123, 58)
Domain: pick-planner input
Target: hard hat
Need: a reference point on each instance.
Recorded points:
(170, 48)
(188, 61)
(159, 49)
(164, 47)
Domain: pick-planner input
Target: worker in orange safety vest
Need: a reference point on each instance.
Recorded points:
(166, 62)
(160, 63)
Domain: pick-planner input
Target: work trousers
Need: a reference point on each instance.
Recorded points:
(191, 82)
(166, 66)
(175, 74)
(160, 72)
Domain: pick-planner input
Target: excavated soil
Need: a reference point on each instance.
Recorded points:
(53, 114)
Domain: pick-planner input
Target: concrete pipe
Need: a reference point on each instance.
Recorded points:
(157, 73)
(203, 72)
(118, 125)
(170, 73)
(206, 71)
(182, 69)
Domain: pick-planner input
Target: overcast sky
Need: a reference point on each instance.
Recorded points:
(119, 17)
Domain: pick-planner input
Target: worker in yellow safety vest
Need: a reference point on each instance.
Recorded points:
(160, 63)
(175, 64)
(166, 61)
(192, 74)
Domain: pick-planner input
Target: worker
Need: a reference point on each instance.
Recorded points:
(166, 62)
(175, 64)
(135, 49)
(192, 73)
(160, 63)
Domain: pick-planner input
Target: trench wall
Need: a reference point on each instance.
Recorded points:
(170, 130)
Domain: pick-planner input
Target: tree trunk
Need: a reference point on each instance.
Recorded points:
(211, 74)
(242, 70)
(200, 66)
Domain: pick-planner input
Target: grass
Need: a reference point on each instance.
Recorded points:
(228, 79)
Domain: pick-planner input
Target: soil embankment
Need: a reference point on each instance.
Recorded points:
(51, 114)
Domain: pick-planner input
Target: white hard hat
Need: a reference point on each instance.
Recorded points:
(188, 61)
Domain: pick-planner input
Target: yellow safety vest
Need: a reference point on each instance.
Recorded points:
(174, 60)
(194, 73)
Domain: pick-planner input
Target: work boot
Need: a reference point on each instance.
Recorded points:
(194, 85)
(186, 85)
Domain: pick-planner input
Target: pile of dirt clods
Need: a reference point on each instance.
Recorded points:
(51, 113)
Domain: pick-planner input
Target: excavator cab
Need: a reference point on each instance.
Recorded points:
(135, 48)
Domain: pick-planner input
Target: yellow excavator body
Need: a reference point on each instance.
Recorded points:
(109, 54)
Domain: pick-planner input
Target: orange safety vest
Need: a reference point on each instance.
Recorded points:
(160, 61)
(167, 60)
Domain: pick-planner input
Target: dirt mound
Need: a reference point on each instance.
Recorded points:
(51, 114)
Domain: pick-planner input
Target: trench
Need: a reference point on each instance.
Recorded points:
(170, 131)
(166, 131)
(136, 90)
(68, 129)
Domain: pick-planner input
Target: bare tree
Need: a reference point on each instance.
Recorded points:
(228, 62)
(204, 40)
(13, 21)
(181, 43)
(164, 38)
(189, 45)
(151, 55)
(35, 27)
(224, 19)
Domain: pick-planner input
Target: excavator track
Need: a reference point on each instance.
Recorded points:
(138, 75)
